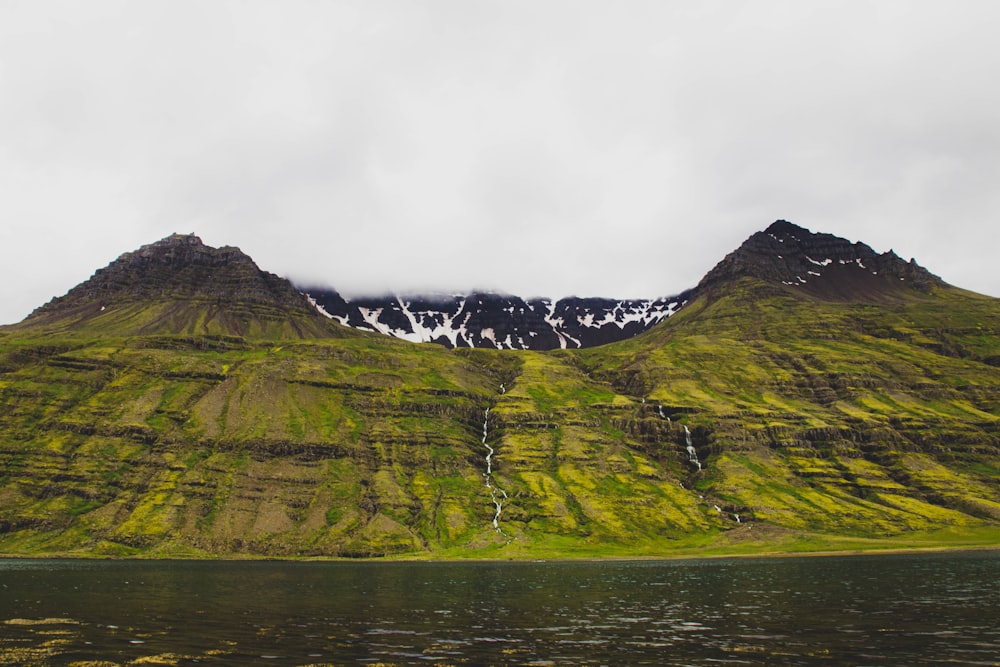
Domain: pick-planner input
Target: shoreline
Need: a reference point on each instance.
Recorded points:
(409, 559)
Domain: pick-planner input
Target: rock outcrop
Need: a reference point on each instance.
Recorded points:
(180, 285)
(821, 265)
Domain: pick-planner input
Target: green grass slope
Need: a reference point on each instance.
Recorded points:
(359, 446)
(863, 420)
(817, 424)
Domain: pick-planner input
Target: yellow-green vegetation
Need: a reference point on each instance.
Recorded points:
(818, 425)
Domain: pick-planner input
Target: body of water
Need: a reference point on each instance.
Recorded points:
(906, 609)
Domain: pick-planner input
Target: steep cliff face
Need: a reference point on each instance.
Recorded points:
(180, 285)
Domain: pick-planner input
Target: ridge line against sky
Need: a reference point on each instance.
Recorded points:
(540, 149)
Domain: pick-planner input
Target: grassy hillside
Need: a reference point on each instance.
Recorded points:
(816, 424)
(858, 419)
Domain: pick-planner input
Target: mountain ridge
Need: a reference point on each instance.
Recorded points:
(222, 291)
(785, 254)
(759, 417)
(496, 320)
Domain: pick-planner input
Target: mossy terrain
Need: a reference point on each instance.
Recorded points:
(817, 425)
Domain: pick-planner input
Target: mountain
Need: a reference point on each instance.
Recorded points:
(820, 265)
(181, 286)
(853, 410)
(498, 321)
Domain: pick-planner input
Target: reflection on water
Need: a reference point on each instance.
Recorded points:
(903, 609)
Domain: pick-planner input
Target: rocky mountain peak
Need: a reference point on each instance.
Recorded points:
(180, 265)
(195, 282)
(822, 265)
(181, 251)
(783, 228)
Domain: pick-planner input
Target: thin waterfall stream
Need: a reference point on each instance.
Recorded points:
(692, 452)
(497, 494)
(689, 446)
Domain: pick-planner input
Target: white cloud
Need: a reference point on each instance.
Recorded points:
(539, 148)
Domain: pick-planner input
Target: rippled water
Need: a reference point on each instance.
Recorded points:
(871, 610)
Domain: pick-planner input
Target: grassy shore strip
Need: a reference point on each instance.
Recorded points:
(740, 543)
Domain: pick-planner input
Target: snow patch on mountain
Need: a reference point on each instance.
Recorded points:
(497, 321)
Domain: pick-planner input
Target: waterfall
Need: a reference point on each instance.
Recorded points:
(737, 518)
(692, 453)
(497, 494)
(503, 389)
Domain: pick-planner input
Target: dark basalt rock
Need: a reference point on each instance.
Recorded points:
(490, 320)
(180, 266)
(192, 284)
(821, 265)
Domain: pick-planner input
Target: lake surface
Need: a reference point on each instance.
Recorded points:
(910, 609)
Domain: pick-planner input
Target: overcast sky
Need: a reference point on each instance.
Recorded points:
(537, 148)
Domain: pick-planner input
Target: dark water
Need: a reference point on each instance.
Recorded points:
(872, 610)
